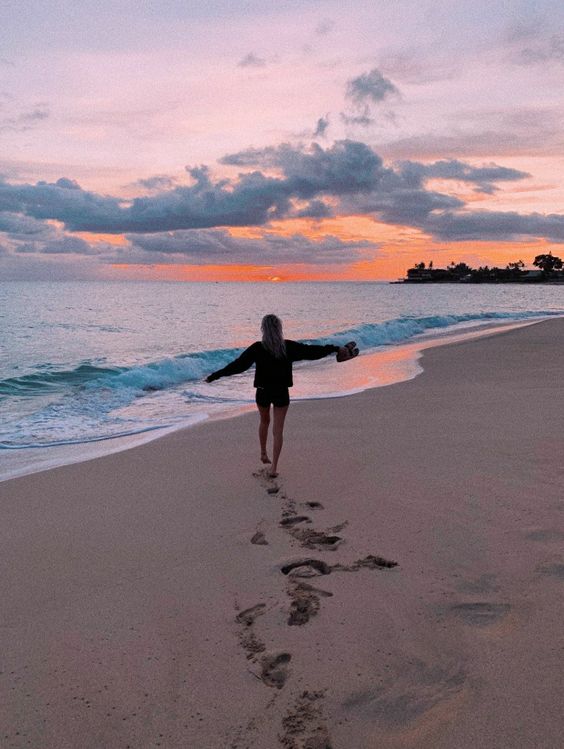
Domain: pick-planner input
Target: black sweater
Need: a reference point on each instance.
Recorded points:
(270, 371)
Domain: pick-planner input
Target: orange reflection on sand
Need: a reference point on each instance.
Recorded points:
(384, 367)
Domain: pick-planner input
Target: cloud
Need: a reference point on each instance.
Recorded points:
(405, 206)
(522, 132)
(506, 226)
(251, 61)
(364, 92)
(420, 66)
(324, 27)
(64, 245)
(25, 120)
(484, 177)
(314, 209)
(543, 50)
(284, 181)
(49, 268)
(370, 87)
(321, 127)
(157, 182)
(362, 118)
(346, 166)
(204, 246)
(16, 225)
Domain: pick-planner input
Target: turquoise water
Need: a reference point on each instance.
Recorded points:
(87, 361)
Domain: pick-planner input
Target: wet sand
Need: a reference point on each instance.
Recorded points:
(399, 585)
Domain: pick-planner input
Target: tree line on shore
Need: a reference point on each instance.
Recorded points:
(549, 269)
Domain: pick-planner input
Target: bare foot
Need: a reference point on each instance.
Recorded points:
(264, 458)
(272, 474)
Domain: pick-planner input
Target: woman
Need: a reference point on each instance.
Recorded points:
(273, 357)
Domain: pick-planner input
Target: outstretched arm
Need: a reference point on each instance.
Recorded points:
(241, 364)
(311, 351)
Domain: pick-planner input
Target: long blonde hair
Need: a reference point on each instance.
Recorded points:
(272, 336)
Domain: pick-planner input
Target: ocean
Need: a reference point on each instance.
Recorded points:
(87, 368)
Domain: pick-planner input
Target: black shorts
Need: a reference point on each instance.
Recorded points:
(278, 396)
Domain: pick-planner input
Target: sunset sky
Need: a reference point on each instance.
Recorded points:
(289, 140)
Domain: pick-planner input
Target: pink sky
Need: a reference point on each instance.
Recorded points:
(110, 95)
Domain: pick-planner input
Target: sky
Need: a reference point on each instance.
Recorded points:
(288, 140)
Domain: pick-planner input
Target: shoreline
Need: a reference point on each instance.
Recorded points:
(173, 595)
(398, 363)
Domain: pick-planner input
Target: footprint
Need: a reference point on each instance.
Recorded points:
(294, 520)
(552, 570)
(370, 562)
(303, 725)
(307, 568)
(316, 539)
(480, 614)
(410, 692)
(545, 535)
(248, 639)
(274, 669)
(305, 602)
(314, 505)
(259, 539)
(248, 616)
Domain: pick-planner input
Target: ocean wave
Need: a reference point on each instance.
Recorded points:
(185, 368)
(403, 329)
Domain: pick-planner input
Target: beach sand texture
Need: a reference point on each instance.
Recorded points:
(169, 596)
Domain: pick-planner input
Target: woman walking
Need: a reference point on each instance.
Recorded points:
(273, 358)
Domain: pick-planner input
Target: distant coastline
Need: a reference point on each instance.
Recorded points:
(548, 269)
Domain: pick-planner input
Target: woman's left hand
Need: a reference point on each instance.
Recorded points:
(348, 351)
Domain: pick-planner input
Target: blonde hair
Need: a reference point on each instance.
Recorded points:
(273, 336)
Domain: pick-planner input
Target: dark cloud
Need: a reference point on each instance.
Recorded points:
(67, 184)
(200, 247)
(361, 118)
(503, 226)
(404, 205)
(346, 178)
(314, 209)
(484, 177)
(16, 225)
(49, 268)
(251, 61)
(64, 245)
(345, 167)
(321, 127)
(59, 201)
(371, 87)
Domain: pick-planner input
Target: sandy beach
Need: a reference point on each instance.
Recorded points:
(399, 585)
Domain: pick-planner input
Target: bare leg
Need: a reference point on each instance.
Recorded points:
(264, 412)
(278, 434)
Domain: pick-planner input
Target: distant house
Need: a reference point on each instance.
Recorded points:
(424, 275)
